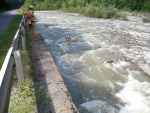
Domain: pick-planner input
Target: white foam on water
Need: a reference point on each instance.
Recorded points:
(89, 79)
(103, 43)
(118, 68)
(147, 55)
(123, 50)
(136, 96)
(108, 65)
(99, 106)
(120, 83)
(77, 59)
(120, 64)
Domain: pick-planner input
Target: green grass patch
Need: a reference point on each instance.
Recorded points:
(23, 99)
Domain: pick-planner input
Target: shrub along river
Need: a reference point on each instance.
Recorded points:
(106, 66)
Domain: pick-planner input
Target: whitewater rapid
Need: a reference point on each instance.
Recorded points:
(106, 66)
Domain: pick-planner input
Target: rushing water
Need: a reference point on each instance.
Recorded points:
(106, 67)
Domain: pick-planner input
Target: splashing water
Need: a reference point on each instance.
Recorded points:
(106, 66)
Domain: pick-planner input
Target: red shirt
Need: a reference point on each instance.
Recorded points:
(30, 15)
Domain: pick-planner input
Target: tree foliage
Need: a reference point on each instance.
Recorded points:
(143, 5)
(11, 4)
(92, 8)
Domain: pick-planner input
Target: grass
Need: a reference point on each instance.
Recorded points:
(23, 99)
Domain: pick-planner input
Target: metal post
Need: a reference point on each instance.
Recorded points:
(22, 35)
(23, 43)
(19, 69)
(22, 31)
(24, 22)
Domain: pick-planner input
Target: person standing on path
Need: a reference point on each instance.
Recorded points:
(30, 22)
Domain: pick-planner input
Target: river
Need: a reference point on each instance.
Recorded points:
(106, 66)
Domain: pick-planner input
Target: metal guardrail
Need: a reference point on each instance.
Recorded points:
(7, 70)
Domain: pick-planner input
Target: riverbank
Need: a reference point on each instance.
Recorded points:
(50, 80)
(138, 16)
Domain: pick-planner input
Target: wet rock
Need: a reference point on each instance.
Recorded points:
(110, 61)
(127, 59)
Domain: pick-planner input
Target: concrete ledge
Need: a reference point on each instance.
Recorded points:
(52, 81)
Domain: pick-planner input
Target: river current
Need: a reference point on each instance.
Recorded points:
(106, 65)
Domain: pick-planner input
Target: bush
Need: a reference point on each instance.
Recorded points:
(73, 3)
(146, 6)
(95, 3)
(121, 16)
(105, 13)
(90, 11)
(82, 10)
(111, 11)
(57, 5)
(81, 3)
(71, 9)
(99, 12)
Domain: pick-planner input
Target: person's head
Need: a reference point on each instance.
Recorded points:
(31, 7)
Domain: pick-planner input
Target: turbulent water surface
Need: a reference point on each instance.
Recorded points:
(106, 66)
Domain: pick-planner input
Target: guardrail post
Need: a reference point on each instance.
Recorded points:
(23, 31)
(22, 34)
(24, 22)
(23, 42)
(23, 16)
(19, 69)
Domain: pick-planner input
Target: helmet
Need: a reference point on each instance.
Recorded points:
(31, 7)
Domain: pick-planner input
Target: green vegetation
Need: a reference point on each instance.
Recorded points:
(10, 4)
(91, 8)
(23, 99)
